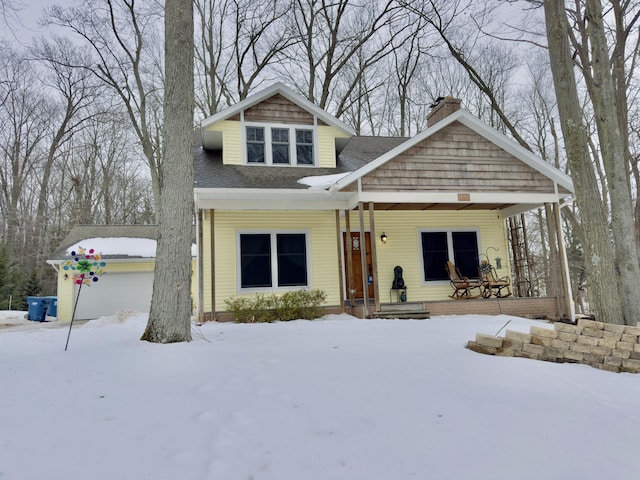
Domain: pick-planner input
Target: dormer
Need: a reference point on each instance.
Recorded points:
(277, 128)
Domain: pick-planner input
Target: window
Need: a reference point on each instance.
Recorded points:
(255, 260)
(273, 260)
(439, 247)
(304, 147)
(255, 145)
(280, 145)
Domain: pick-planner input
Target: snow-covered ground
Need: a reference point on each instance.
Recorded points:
(337, 398)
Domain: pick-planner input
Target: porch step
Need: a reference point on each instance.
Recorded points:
(401, 307)
(403, 314)
(407, 310)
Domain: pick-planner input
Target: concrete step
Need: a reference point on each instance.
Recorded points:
(402, 314)
(401, 307)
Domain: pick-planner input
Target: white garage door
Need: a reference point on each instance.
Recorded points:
(115, 292)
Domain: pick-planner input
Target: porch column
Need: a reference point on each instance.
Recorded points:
(212, 259)
(200, 303)
(339, 247)
(374, 257)
(363, 257)
(555, 272)
(348, 246)
(564, 264)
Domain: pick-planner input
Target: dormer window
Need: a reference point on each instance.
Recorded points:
(255, 145)
(304, 147)
(280, 145)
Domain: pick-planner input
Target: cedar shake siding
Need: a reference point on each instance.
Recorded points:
(277, 109)
(456, 159)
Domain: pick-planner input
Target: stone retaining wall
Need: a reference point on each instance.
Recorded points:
(615, 348)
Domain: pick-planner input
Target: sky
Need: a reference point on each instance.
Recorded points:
(337, 398)
(21, 26)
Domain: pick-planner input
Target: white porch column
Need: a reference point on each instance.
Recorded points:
(564, 263)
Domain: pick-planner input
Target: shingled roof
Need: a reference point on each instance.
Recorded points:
(210, 172)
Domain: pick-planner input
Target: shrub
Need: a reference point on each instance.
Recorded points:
(269, 308)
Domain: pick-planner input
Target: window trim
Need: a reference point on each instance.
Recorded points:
(274, 261)
(268, 143)
(450, 252)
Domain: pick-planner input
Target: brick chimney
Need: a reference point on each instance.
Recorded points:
(442, 107)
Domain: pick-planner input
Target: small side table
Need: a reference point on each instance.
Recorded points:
(399, 293)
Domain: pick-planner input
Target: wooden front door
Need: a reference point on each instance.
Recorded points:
(356, 264)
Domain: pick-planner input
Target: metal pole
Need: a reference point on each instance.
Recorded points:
(73, 314)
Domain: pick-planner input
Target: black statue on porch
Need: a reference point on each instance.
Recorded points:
(398, 281)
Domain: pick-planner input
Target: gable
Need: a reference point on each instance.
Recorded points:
(456, 158)
(277, 109)
(276, 100)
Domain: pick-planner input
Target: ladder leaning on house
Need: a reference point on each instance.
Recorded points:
(522, 264)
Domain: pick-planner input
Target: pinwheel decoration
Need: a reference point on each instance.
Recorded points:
(87, 267)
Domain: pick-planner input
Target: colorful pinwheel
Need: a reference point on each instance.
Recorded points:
(86, 266)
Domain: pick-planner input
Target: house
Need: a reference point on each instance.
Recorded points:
(129, 254)
(289, 197)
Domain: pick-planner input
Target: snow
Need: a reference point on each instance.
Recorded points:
(334, 398)
(133, 247)
(322, 182)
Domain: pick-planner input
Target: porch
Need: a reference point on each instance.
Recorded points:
(528, 307)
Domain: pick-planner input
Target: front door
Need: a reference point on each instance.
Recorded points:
(356, 264)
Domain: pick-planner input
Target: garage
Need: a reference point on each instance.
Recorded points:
(114, 292)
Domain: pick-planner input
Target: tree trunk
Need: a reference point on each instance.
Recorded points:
(599, 259)
(171, 306)
(612, 146)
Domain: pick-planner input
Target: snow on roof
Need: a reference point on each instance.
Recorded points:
(322, 181)
(132, 247)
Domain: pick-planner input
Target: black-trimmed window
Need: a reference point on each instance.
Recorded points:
(280, 145)
(255, 260)
(255, 145)
(273, 260)
(439, 247)
(304, 147)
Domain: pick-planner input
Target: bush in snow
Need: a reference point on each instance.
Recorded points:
(262, 308)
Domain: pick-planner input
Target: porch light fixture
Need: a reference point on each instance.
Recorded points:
(498, 263)
(383, 237)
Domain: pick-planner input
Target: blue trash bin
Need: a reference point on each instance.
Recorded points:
(37, 308)
(52, 306)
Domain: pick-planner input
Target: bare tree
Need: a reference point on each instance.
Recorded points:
(122, 35)
(446, 18)
(330, 36)
(24, 119)
(612, 134)
(599, 258)
(238, 42)
(76, 93)
(171, 306)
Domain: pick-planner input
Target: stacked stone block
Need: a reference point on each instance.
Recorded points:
(615, 348)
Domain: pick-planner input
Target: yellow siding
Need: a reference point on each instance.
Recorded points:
(65, 296)
(402, 248)
(231, 141)
(322, 240)
(403, 245)
(327, 146)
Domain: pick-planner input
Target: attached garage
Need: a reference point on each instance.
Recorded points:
(127, 284)
(115, 292)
